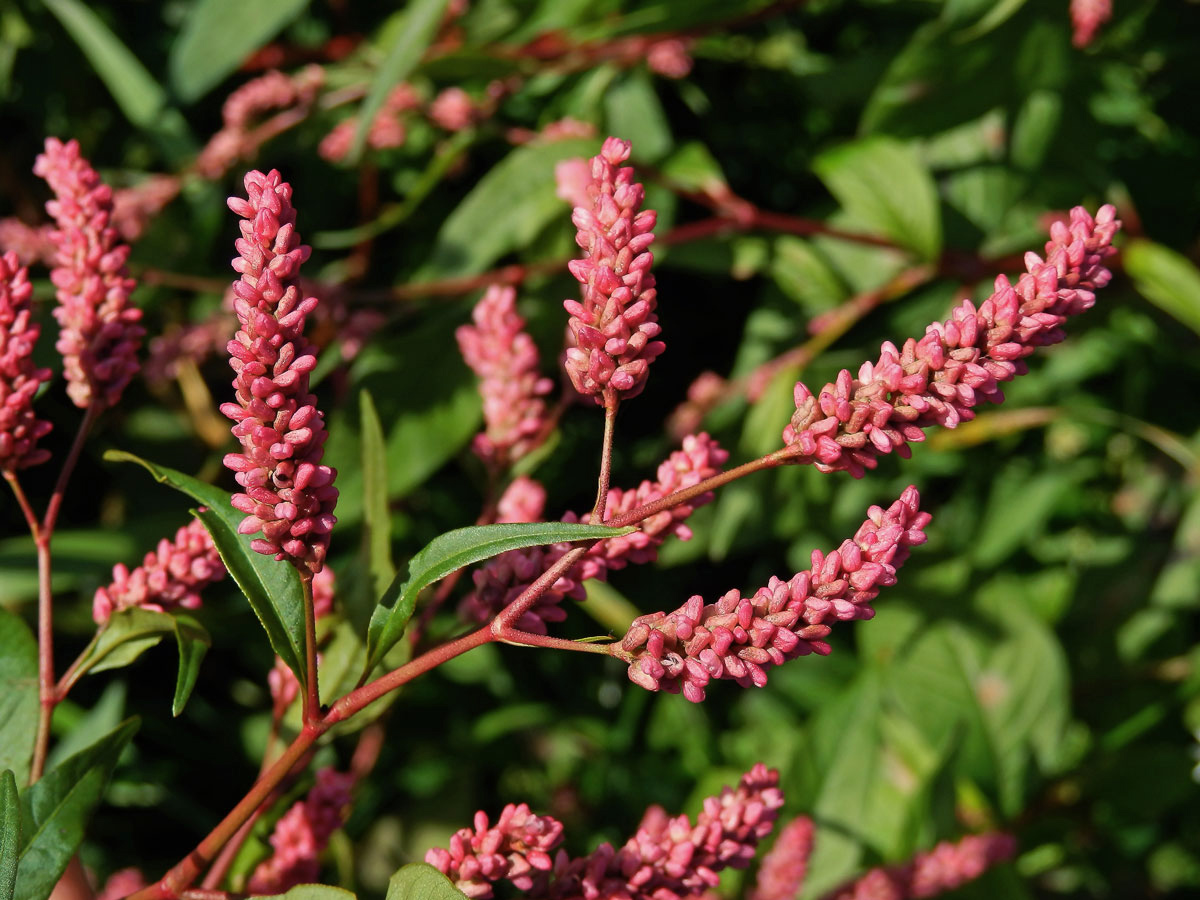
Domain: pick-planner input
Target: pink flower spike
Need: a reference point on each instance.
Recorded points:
(782, 871)
(100, 333)
(946, 867)
(290, 495)
(20, 379)
(169, 578)
(1086, 17)
(957, 364)
(503, 355)
(738, 638)
(302, 833)
(611, 333)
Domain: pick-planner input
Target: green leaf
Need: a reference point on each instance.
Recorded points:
(273, 588)
(123, 638)
(377, 519)
(421, 881)
(82, 729)
(18, 695)
(316, 892)
(193, 643)
(136, 91)
(453, 550)
(1167, 279)
(410, 38)
(55, 811)
(881, 182)
(634, 113)
(505, 211)
(10, 834)
(218, 35)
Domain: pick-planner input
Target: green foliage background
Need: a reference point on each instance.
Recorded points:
(1036, 667)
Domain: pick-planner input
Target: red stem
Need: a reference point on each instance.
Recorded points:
(47, 687)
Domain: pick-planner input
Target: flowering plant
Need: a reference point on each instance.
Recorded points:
(525, 554)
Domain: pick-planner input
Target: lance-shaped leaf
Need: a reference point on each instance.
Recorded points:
(55, 811)
(313, 892)
(10, 834)
(421, 881)
(377, 520)
(409, 38)
(273, 588)
(453, 550)
(18, 695)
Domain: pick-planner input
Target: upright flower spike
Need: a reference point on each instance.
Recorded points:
(289, 495)
(100, 333)
(169, 578)
(611, 332)
(20, 379)
(739, 638)
(503, 355)
(939, 379)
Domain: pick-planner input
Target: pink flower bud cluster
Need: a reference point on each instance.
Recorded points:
(20, 379)
(1086, 18)
(946, 867)
(169, 578)
(387, 129)
(453, 109)
(99, 331)
(270, 91)
(522, 501)
(667, 859)
(781, 873)
(611, 333)
(939, 379)
(302, 833)
(505, 358)
(503, 578)
(739, 638)
(31, 243)
(121, 884)
(289, 495)
(669, 58)
(670, 858)
(515, 849)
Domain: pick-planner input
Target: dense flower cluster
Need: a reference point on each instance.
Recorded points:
(781, 872)
(947, 866)
(957, 364)
(99, 331)
(302, 833)
(1086, 18)
(739, 638)
(289, 495)
(667, 859)
(612, 331)
(503, 355)
(522, 501)
(270, 91)
(503, 578)
(20, 379)
(516, 848)
(169, 578)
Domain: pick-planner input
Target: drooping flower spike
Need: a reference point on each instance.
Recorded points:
(100, 332)
(612, 331)
(959, 363)
(739, 638)
(288, 493)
